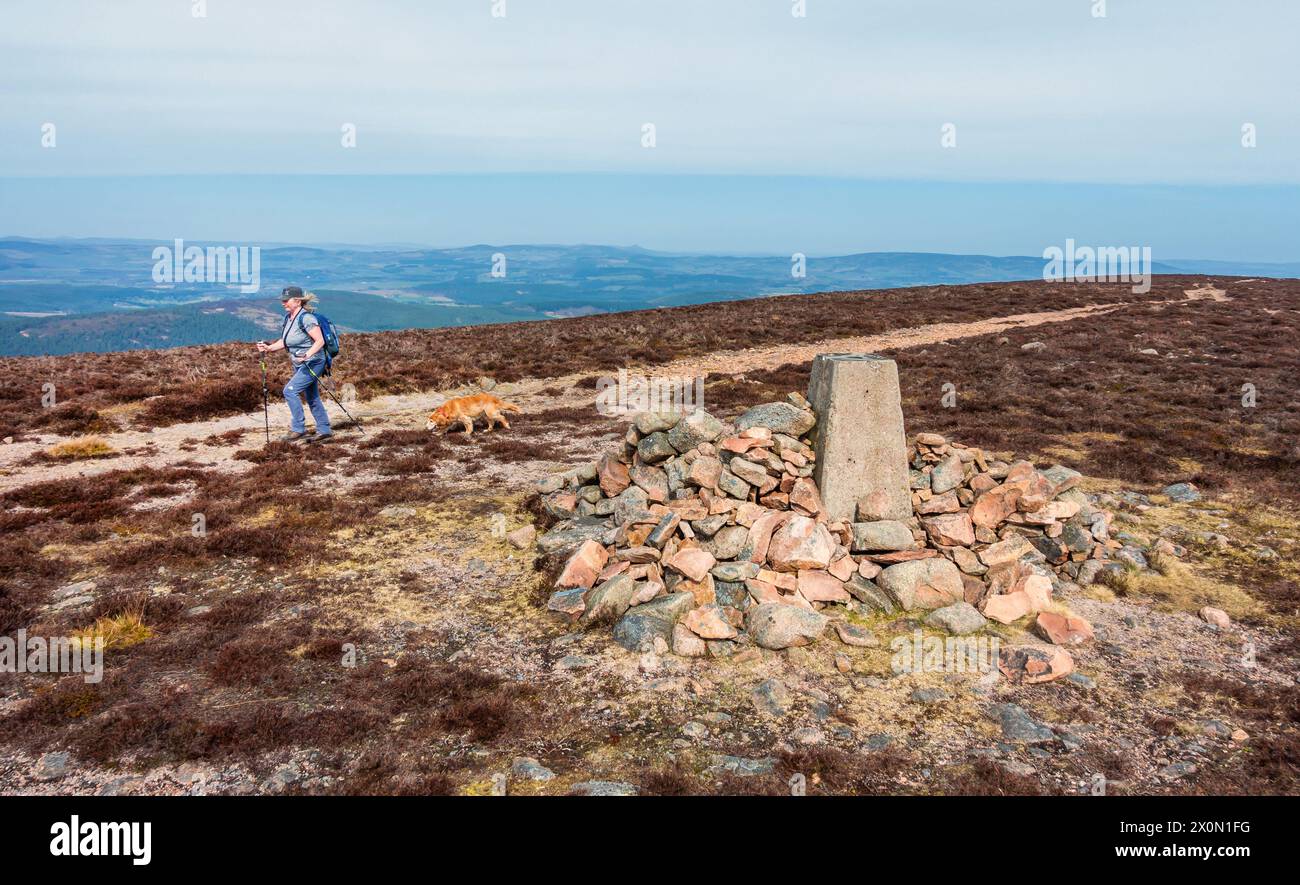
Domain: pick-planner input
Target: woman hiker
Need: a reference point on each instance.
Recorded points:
(301, 336)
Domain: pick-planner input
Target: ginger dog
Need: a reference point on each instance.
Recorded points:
(464, 409)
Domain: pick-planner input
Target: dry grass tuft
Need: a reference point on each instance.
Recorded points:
(81, 449)
(1123, 582)
(1175, 586)
(118, 631)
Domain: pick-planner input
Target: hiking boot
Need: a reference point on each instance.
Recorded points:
(296, 436)
(320, 437)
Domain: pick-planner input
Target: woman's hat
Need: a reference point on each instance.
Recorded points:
(290, 292)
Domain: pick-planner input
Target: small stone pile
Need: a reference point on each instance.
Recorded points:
(705, 538)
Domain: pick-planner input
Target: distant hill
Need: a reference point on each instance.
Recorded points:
(67, 296)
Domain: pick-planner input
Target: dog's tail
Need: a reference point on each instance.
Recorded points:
(510, 407)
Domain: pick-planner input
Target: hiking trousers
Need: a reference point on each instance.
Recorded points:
(303, 383)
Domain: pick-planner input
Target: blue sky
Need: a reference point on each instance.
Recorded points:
(769, 128)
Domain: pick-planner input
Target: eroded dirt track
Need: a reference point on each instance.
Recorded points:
(169, 445)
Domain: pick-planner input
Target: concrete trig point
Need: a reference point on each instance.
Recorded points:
(860, 442)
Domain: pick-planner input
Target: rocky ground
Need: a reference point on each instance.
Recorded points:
(357, 620)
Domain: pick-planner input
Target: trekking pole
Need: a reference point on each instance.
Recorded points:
(321, 382)
(266, 403)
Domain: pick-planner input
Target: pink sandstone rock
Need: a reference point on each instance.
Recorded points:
(1063, 629)
(1007, 607)
(760, 534)
(819, 586)
(583, 567)
(694, 563)
(1034, 663)
(950, 529)
(1216, 616)
(709, 622)
(801, 543)
(613, 476)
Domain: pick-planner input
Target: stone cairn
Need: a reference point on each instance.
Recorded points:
(704, 539)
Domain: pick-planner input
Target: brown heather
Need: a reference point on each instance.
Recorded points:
(243, 677)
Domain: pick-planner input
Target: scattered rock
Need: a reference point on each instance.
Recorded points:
(51, 766)
(527, 768)
(742, 767)
(571, 602)
(1181, 493)
(695, 730)
(728, 542)
(282, 778)
(523, 537)
(1063, 629)
(73, 602)
(1006, 551)
(960, 618)
(815, 585)
(852, 634)
(772, 697)
(1034, 663)
(602, 788)
(566, 536)
(655, 448)
(929, 696)
(612, 476)
(1018, 727)
(69, 591)
(1215, 616)
(735, 572)
(687, 644)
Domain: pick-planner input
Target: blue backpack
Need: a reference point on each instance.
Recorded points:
(329, 333)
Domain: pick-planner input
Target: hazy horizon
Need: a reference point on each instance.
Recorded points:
(728, 127)
(691, 214)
